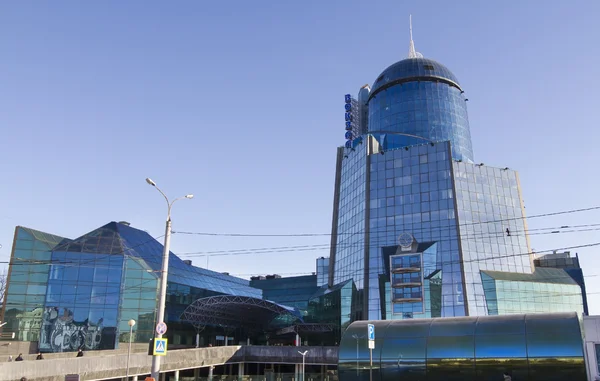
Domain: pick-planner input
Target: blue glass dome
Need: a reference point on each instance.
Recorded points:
(412, 69)
(416, 101)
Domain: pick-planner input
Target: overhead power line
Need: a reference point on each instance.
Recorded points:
(329, 234)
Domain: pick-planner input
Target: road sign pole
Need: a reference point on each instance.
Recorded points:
(371, 334)
(371, 362)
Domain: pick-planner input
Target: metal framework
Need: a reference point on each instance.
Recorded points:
(230, 311)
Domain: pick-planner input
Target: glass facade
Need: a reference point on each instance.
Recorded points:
(414, 283)
(418, 100)
(333, 306)
(492, 226)
(527, 347)
(82, 302)
(28, 282)
(472, 214)
(546, 290)
(411, 192)
(292, 292)
(349, 262)
(71, 294)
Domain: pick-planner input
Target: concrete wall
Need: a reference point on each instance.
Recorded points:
(102, 366)
(15, 347)
(29, 350)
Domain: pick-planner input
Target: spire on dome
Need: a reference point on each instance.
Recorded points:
(412, 53)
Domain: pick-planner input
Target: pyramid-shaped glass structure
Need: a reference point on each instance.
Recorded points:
(121, 239)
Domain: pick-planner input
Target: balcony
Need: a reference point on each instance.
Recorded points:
(407, 300)
(402, 270)
(407, 284)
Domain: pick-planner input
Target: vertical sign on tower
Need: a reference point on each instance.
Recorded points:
(349, 118)
(352, 119)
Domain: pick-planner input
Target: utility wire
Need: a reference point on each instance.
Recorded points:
(329, 234)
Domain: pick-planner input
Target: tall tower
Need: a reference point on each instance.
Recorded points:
(417, 226)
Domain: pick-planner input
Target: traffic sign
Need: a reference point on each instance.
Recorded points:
(371, 331)
(160, 347)
(161, 328)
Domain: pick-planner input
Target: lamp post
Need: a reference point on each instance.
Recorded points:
(155, 370)
(131, 324)
(303, 362)
(357, 337)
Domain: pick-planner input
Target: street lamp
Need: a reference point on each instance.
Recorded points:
(155, 370)
(357, 337)
(303, 362)
(131, 324)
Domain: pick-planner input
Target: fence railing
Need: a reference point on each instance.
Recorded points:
(328, 376)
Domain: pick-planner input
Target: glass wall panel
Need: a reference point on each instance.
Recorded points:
(453, 327)
(557, 369)
(553, 344)
(443, 347)
(81, 307)
(138, 301)
(422, 208)
(493, 369)
(500, 346)
(26, 290)
(451, 369)
(350, 241)
(492, 226)
(482, 355)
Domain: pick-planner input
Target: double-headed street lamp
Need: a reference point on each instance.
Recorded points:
(303, 362)
(155, 370)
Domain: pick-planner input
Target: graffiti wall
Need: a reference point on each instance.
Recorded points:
(60, 332)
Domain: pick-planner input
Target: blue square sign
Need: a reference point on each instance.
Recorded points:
(371, 331)
(160, 347)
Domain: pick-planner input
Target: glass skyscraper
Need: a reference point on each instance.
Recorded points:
(418, 226)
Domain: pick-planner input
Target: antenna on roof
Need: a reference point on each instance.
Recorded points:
(412, 53)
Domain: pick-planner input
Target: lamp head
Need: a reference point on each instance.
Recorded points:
(149, 181)
(190, 196)
(131, 322)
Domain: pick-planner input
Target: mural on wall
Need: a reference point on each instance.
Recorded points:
(61, 333)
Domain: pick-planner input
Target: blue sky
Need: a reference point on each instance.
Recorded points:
(240, 103)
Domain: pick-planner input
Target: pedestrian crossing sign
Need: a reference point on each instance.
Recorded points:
(160, 347)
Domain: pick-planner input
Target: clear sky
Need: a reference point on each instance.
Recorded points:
(241, 103)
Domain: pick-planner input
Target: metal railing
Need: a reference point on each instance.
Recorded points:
(328, 376)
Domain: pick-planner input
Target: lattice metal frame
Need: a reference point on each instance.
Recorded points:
(227, 311)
